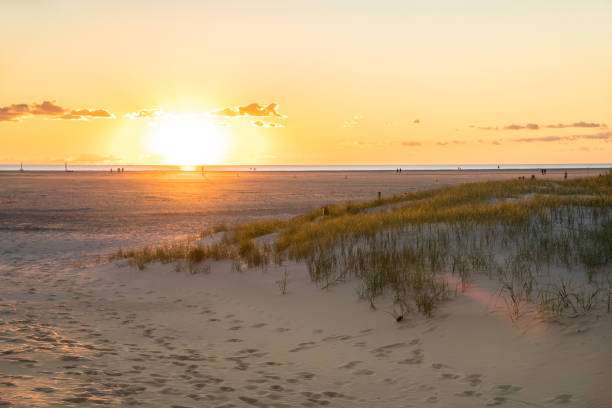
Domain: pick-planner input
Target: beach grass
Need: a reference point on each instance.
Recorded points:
(547, 243)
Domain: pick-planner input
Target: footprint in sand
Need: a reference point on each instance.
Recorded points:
(449, 376)
(496, 401)
(303, 346)
(504, 389)
(248, 400)
(468, 393)
(258, 325)
(349, 365)
(364, 371)
(561, 399)
(386, 351)
(473, 379)
(417, 358)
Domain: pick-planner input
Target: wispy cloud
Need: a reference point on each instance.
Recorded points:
(262, 124)
(530, 126)
(353, 122)
(457, 142)
(147, 114)
(578, 125)
(411, 143)
(18, 112)
(485, 127)
(417, 121)
(595, 136)
(535, 126)
(253, 109)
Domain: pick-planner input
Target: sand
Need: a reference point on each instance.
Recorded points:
(109, 334)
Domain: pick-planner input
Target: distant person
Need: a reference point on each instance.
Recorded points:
(565, 175)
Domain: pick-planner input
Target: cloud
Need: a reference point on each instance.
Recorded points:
(154, 113)
(458, 142)
(485, 127)
(14, 113)
(530, 126)
(353, 122)
(496, 142)
(84, 114)
(416, 121)
(253, 109)
(580, 124)
(261, 123)
(411, 143)
(47, 108)
(535, 126)
(596, 136)
(17, 112)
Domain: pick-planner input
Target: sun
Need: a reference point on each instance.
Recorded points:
(188, 142)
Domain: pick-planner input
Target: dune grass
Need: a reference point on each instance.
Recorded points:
(533, 236)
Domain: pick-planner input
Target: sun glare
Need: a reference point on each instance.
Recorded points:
(188, 142)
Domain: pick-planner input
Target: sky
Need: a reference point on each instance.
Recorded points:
(316, 82)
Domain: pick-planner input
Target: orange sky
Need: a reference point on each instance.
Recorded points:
(326, 82)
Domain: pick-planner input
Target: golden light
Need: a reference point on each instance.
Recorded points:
(188, 142)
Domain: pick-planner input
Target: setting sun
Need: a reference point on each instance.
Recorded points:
(188, 142)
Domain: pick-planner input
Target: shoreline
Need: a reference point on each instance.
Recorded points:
(411, 169)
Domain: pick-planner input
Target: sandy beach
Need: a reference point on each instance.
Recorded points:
(77, 330)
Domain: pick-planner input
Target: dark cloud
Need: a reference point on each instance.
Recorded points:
(14, 112)
(530, 126)
(48, 108)
(17, 112)
(596, 136)
(253, 109)
(577, 125)
(535, 126)
(261, 123)
(411, 143)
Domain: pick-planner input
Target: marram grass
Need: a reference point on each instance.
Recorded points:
(518, 232)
